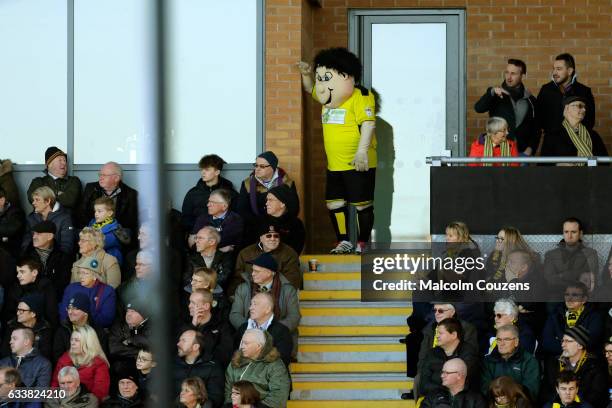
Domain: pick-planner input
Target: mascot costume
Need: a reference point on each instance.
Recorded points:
(348, 117)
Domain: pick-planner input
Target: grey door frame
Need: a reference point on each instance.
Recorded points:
(360, 42)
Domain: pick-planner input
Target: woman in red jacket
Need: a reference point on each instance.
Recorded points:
(494, 143)
(87, 356)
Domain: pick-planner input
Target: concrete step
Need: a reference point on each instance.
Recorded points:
(344, 331)
(332, 281)
(351, 353)
(351, 316)
(350, 340)
(330, 295)
(332, 263)
(351, 404)
(370, 367)
(341, 389)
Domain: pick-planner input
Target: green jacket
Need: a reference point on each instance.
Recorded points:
(522, 367)
(267, 373)
(67, 189)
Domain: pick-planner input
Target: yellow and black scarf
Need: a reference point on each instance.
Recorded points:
(572, 317)
(581, 139)
(99, 225)
(564, 363)
(504, 148)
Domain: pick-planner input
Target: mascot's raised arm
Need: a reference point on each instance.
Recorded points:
(348, 118)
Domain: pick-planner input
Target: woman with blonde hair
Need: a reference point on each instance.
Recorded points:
(508, 239)
(87, 356)
(91, 248)
(193, 394)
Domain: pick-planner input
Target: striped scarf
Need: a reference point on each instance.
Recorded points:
(488, 150)
(572, 317)
(581, 139)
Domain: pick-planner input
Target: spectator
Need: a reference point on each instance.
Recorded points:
(567, 392)
(573, 138)
(35, 370)
(504, 392)
(450, 346)
(281, 208)
(47, 208)
(550, 99)
(193, 394)
(12, 224)
(244, 395)
(130, 334)
(87, 355)
(101, 296)
(196, 198)
(566, 263)
(454, 391)
(128, 392)
(115, 236)
(510, 359)
(193, 360)
(265, 278)
(7, 182)
(55, 263)
(77, 394)
(110, 184)
(30, 314)
(78, 310)
(213, 326)
(608, 353)
(506, 312)
(459, 244)
(494, 143)
(140, 285)
(261, 316)
(206, 279)
(209, 255)
(522, 266)
(29, 281)
(220, 217)
(269, 243)
(66, 188)
(267, 372)
(513, 102)
(508, 239)
(145, 363)
(254, 190)
(9, 380)
(91, 245)
(576, 311)
(589, 368)
(603, 292)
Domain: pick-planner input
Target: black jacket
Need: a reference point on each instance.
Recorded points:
(290, 227)
(8, 274)
(208, 370)
(196, 199)
(43, 337)
(61, 339)
(67, 189)
(231, 228)
(126, 208)
(560, 144)
(281, 339)
(218, 338)
(119, 402)
(41, 286)
(124, 342)
(463, 399)
(527, 133)
(549, 107)
(435, 359)
(12, 225)
(223, 263)
(57, 269)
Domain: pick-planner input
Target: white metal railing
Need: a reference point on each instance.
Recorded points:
(438, 161)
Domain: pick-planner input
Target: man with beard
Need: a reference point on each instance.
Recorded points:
(513, 102)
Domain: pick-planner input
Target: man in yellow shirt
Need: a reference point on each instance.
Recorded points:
(348, 117)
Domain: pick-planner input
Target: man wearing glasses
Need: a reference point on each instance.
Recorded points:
(455, 394)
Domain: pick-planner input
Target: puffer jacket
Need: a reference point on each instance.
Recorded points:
(65, 236)
(114, 237)
(267, 373)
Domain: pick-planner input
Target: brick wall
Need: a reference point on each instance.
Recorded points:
(534, 30)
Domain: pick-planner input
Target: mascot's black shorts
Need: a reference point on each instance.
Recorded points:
(353, 186)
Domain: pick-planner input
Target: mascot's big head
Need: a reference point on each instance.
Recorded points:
(337, 70)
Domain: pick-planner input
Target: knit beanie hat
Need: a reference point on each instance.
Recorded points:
(80, 301)
(51, 153)
(139, 305)
(580, 334)
(287, 196)
(35, 302)
(271, 158)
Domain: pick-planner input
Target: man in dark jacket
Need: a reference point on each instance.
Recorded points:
(550, 99)
(450, 345)
(193, 360)
(454, 392)
(77, 394)
(130, 334)
(12, 223)
(128, 392)
(567, 386)
(110, 184)
(196, 198)
(513, 102)
(67, 188)
(30, 314)
(510, 359)
(35, 370)
(57, 265)
(589, 369)
(208, 255)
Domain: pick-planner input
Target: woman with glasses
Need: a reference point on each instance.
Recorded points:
(506, 312)
(86, 355)
(244, 395)
(91, 245)
(494, 143)
(507, 240)
(504, 392)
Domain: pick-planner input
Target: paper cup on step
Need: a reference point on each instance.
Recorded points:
(313, 265)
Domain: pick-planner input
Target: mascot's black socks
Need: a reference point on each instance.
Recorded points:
(365, 221)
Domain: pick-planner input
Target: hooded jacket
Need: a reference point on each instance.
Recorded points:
(194, 203)
(114, 237)
(65, 236)
(267, 373)
(67, 189)
(521, 366)
(35, 370)
(205, 368)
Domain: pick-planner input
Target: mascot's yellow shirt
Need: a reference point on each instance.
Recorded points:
(341, 130)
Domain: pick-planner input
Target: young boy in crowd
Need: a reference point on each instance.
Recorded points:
(114, 234)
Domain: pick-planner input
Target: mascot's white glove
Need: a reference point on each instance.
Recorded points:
(361, 157)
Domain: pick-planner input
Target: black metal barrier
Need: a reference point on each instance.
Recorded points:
(533, 199)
